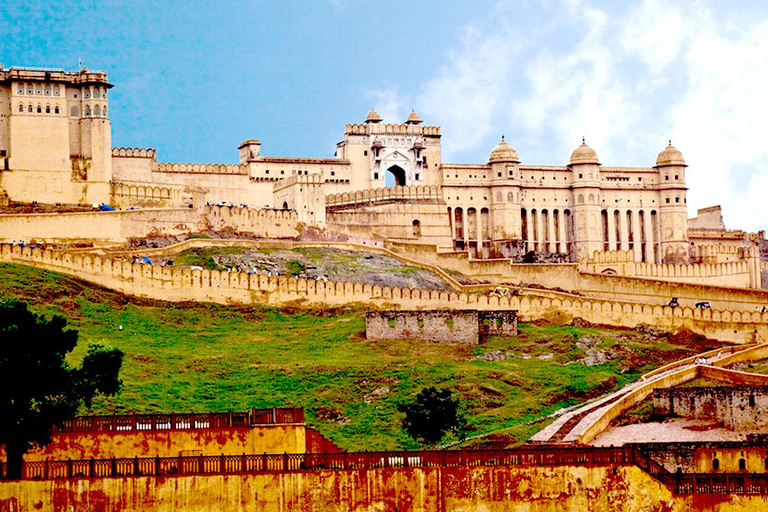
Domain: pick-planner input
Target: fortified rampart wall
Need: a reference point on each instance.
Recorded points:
(568, 277)
(118, 226)
(175, 284)
(265, 223)
(740, 273)
(98, 227)
(597, 488)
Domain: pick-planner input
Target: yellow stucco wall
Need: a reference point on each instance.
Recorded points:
(228, 441)
(486, 489)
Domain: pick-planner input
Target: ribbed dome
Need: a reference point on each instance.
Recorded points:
(503, 153)
(584, 155)
(413, 118)
(670, 156)
(373, 117)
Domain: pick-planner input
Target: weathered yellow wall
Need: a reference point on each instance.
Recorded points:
(457, 489)
(106, 445)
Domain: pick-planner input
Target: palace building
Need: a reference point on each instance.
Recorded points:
(55, 146)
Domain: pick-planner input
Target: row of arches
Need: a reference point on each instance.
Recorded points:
(47, 89)
(471, 230)
(39, 109)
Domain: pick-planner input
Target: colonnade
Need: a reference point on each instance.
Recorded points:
(470, 227)
(632, 230)
(547, 230)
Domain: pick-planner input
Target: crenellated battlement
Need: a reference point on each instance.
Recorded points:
(394, 129)
(179, 284)
(411, 193)
(134, 152)
(740, 272)
(200, 168)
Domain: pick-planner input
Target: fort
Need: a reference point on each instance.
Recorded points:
(578, 243)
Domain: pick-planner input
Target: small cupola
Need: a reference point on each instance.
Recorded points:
(372, 117)
(413, 118)
(670, 156)
(584, 155)
(503, 153)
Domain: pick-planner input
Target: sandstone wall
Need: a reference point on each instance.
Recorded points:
(740, 408)
(459, 489)
(175, 284)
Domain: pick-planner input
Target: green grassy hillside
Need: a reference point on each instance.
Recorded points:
(205, 357)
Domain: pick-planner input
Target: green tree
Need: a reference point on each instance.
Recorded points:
(38, 388)
(433, 414)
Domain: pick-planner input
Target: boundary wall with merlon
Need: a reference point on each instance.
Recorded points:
(568, 277)
(176, 284)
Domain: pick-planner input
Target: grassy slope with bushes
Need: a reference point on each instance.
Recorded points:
(205, 357)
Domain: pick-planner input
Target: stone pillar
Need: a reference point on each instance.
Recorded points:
(552, 235)
(650, 254)
(539, 232)
(624, 245)
(611, 232)
(638, 236)
(531, 224)
(563, 233)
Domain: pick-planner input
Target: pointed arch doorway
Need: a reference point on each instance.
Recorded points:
(395, 176)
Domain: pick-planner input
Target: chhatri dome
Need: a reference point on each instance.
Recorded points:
(670, 156)
(373, 117)
(413, 118)
(503, 153)
(584, 155)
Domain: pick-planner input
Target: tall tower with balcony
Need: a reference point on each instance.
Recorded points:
(505, 197)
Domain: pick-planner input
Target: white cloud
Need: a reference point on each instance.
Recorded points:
(627, 78)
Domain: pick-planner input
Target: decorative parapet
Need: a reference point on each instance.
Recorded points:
(393, 129)
(375, 195)
(134, 152)
(201, 168)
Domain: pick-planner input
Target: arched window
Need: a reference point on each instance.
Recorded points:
(285, 205)
(29, 108)
(96, 92)
(39, 109)
(47, 109)
(498, 197)
(510, 197)
(86, 93)
(29, 89)
(74, 111)
(56, 110)
(21, 107)
(97, 111)
(21, 89)
(581, 199)
(55, 90)
(47, 90)
(742, 465)
(715, 464)
(416, 227)
(87, 111)
(751, 400)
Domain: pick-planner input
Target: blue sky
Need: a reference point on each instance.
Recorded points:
(193, 79)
